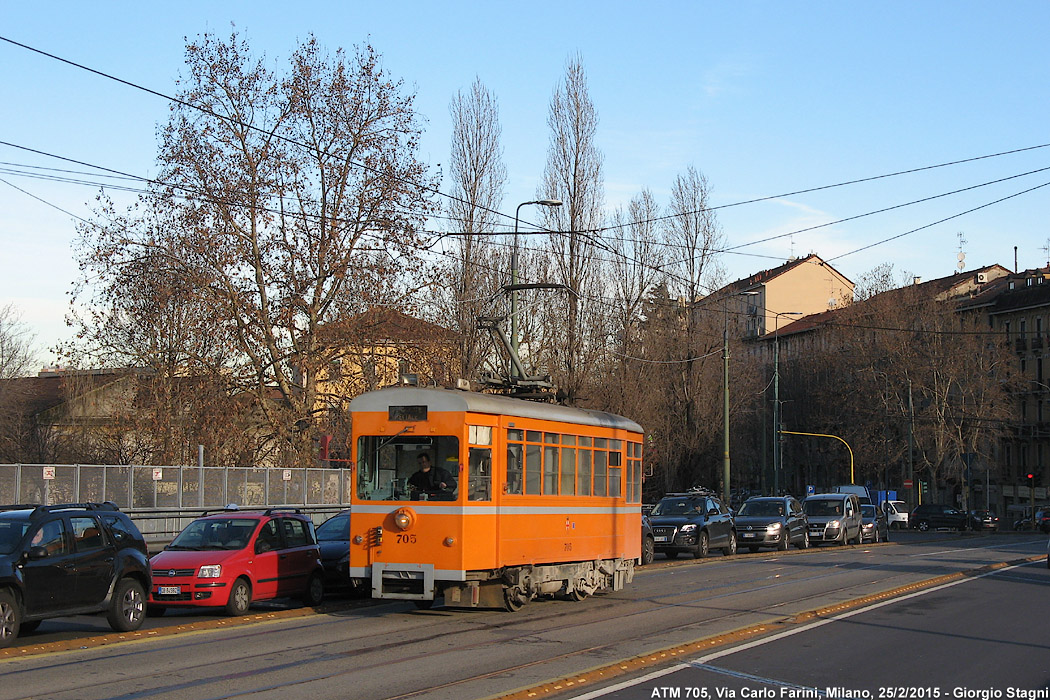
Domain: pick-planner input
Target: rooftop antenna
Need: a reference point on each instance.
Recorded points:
(1046, 249)
(962, 254)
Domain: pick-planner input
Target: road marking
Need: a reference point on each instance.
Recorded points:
(704, 661)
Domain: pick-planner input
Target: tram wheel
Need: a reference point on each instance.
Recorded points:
(511, 601)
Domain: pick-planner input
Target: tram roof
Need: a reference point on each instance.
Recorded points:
(494, 404)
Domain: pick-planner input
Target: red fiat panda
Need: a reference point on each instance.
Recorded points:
(231, 558)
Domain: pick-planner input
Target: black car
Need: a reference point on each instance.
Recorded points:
(695, 522)
(70, 559)
(648, 543)
(931, 516)
(983, 520)
(333, 537)
(771, 522)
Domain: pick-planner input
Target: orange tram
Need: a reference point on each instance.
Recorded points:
(523, 499)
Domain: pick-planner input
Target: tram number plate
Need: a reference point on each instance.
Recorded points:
(169, 590)
(661, 538)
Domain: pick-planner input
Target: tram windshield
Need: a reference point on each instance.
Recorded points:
(405, 468)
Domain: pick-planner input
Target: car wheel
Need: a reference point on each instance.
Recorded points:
(702, 545)
(314, 593)
(878, 537)
(10, 619)
(730, 549)
(922, 526)
(648, 550)
(127, 609)
(785, 540)
(804, 544)
(240, 598)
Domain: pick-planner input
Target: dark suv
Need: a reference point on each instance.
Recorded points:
(930, 516)
(772, 522)
(70, 559)
(695, 522)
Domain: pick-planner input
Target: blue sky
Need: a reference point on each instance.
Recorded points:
(764, 98)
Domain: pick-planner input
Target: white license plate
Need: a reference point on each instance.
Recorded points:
(659, 539)
(169, 590)
(748, 535)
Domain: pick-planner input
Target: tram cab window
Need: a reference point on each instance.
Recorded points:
(385, 464)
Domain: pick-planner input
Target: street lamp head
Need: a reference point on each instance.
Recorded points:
(548, 202)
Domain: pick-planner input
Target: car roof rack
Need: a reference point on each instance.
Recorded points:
(283, 509)
(39, 509)
(692, 491)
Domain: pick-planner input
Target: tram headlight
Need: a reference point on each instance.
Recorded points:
(404, 518)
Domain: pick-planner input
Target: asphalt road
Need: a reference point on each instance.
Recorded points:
(392, 650)
(977, 638)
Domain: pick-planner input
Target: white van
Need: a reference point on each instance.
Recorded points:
(896, 514)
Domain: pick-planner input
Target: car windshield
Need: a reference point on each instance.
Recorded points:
(218, 533)
(822, 506)
(11, 533)
(678, 506)
(867, 511)
(334, 529)
(762, 508)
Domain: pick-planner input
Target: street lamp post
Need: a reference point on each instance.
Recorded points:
(725, 392)
(514, 278)
(778, 455)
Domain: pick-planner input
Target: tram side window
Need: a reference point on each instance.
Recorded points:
(533, 477)
(550, 465)
(615, 473)
(600, 474)
(480, 474)
(583, 471)
(515, 467)
(568, 469)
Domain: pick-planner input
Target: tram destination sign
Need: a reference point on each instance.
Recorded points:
(407, 413)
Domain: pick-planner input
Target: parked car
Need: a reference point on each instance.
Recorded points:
(648, 543)
(983, 520)
(771, 522)
(932, 516)
(232, 558)
(71, 559)
(1042, 520)
(333, 539)
(833, 517)
(896, 514)
(695, 522)
(875, 526)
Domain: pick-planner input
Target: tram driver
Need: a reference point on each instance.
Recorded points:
(431, 482)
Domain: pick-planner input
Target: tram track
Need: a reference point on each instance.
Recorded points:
(515, 629)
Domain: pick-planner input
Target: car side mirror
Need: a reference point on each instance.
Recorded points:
(37, 552)
(713, 511)
(262, 546)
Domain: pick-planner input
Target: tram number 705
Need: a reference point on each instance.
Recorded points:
(404, 538)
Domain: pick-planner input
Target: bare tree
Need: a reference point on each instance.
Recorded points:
(300, 201)
(478, 177)
(573, 174)
(16, 344)
(694, 237)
